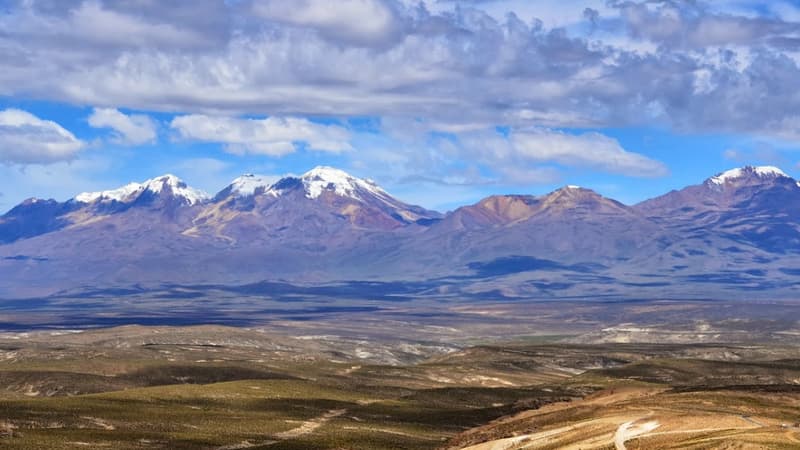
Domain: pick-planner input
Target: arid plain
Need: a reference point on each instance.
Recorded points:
(502, 375)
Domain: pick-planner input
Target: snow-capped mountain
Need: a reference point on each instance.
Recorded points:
(166, 195)
(758, 206)
(247, 185)
(315, 182)
(322, 202)
(167, 185)
(324, 179)
(333, 185)
(746, 175)
(730, 190)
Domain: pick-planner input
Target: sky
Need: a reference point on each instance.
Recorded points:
(442, 102)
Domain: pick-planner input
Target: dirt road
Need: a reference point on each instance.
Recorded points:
(309, 426)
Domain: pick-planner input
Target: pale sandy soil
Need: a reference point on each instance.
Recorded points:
(637, 414)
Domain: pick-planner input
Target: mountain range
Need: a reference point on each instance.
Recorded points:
(737, 234)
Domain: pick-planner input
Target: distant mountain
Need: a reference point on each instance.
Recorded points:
(568, 203)
(570, 225)
(736, 233)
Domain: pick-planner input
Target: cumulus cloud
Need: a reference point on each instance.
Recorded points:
(273, 136)
(527, 155)
(134, 129)
(592, 150)
(25, 139)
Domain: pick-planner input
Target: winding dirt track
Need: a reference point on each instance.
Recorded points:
(309, 426)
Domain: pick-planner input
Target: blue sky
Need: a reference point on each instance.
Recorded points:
(440, 102)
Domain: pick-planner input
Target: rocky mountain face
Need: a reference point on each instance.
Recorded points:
(570, 225)
(751, 206)
(737, 231)
(32, 218)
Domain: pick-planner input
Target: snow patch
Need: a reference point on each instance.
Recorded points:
(322, 178)
(120, 194)
(178, 187)
(762, 172)
(247, 184)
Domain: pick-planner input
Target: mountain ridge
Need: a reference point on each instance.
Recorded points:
(738, 228)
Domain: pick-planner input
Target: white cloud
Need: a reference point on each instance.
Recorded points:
(273, 136)
(99, 25)
(361, 22)
(522, 156)
(134, 129)
(25, 138)
(592, 150)
(457, 62)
